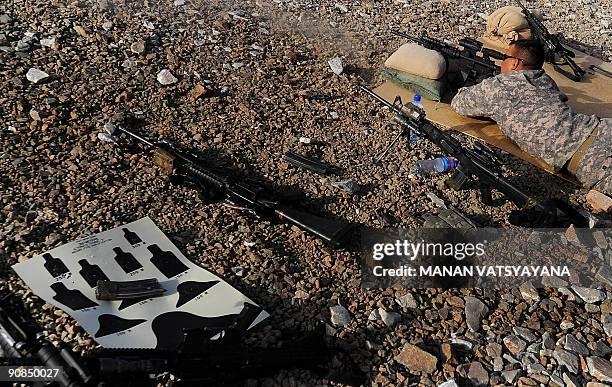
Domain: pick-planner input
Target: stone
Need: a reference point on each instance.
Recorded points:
(566, 324)
(600, 239)
(336, 65)
(595, 384)
(604, 274)
(498, 364)
(589, 295)
(107, 25)
(165, 77)
(462, 343)
(599, 202)
(494, 349)
(547, 341)
(455, 301)
(80, 30)
(446, 350)
(36, 115)
(599, 348)
(529, 292)
(340, 316)
(449, 383)
(104, 5)
(567, 359)
(36, 75)
(574, 345)
(407, 301)
(341, 7)
(138, 47)
(198, 91)
(525, 333)
(477, 374)
(351, 186)
(389, 318)
(553, 282)
(48, 42)
(416, 360)
(179, 3)
(526, 382)
(514, 344)
(4, 19)
(475, 311)
(374, 315)
(599, 368)
(571, 236)
(511, 376)
(571, 380)
(535, 368)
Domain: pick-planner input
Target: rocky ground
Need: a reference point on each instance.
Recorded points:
(244, 82)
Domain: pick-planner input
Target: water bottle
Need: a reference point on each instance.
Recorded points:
(439, 165)
(416, 101)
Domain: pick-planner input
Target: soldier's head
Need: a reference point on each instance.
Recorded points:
(523, 55)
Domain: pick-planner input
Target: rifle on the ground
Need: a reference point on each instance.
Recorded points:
(198, 361)
(475, 164)
(245, 195)
(474, 61)
(553, 47)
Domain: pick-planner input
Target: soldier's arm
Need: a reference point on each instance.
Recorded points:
(475, 100)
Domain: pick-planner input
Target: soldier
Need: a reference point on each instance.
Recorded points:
(531, 110)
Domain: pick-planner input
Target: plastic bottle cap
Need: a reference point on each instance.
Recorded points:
(417, 98)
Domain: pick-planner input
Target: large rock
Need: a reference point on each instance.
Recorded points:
(567, 359)
(478, 375)
(389, 318)
(574, 345)
(36, 75)
(448, 383)
(416, 360)
(589, 295)
(529, 292)
(406, 301)
(570, 380)
(340, 316)
(599, 201)
(600, 369)
(165, 77)
(475, 311)
(514, 344)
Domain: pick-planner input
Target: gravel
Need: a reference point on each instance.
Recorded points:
(245, 82)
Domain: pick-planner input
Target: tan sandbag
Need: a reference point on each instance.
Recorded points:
(507, 25)
(414, 59)
(494, 44)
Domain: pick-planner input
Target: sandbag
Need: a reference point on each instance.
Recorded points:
(414, 59)
(507, 25)
(429, 88)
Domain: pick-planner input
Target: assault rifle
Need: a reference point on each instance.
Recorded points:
(553, 47)
(199, 361)
(476, 164)
(475, 62)
(248, 196)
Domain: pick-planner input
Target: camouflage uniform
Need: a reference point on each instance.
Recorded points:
(531, 110)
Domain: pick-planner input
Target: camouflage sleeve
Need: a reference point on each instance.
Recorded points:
(475, 100)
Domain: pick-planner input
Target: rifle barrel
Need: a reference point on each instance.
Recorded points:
(137, 137)
(380, 99)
